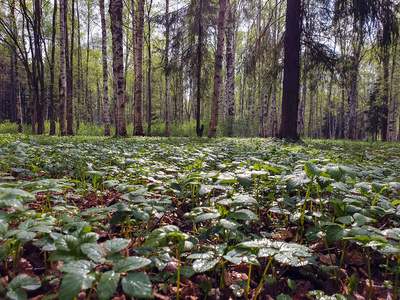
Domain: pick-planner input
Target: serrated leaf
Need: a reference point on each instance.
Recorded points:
(116, 245)
(107, 285)
(81, 267)
(131, 263)
(67, 243)
(71, 286)
(137, 285)
(94, 252)
(311, 169)
(378, 187)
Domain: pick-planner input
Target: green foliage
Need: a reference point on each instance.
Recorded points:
(108, 209)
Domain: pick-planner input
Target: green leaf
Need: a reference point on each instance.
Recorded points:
(17, 294)
(131, 263)
(137, 285)
(107, 285)
(161, 236)
(94, 252)
(116, 245)
(244, 200)
(334, 172)
(67, 243)
(283, 297)
(71, 286)
(25, 282)
(292, 284)
(334, 233)
(243, 214)
(311, 169)
(206, 217)
(203, 265)
(378, 187)
(245, 181)
(81, 267)
(227, 224)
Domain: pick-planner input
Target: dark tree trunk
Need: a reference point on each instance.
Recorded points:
(218, 70)
(290, 98)
(199, 129)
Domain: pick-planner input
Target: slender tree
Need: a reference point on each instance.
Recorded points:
(116, 7)
(218, 70)
(63, 71)
(52, 60)
(167, 68)
(105, 70)
(138, 126)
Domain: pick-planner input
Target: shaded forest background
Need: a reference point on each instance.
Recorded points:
(145, 67)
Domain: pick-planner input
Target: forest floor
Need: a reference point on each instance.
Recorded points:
(104, 218)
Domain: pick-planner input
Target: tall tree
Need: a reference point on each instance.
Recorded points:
(105, 70)
(63, 71)
(70, 79)
(291, 75)
(138, 126)
(116, 7)
(167, 68)
(52, 60)
(230, 64)
(149, 87)
(218, 70)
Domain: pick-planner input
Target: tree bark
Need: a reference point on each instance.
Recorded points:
(138, 126)
(52, 59)
(116, 7)
(167, 108)
(149, 117)
(105, 70)
(290, 98)
(218, 70)
(63, 71)
(70, 64)
(199, 129)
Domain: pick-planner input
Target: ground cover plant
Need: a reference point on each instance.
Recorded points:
(95, 218)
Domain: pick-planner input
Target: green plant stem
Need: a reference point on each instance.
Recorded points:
(178, 276)
(371, 288)
(262, 278)
(248, 283)
(341, 261)
(396, 280)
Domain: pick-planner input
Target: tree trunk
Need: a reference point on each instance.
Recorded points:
(70, 102)
(167, 68)
(16, 72)
(39, 74)
(63, 70)
(199, 130)
(218, 70)
(105, 70)
(52, 59)
(116, 7)
(290, 98)
(385, 96)
(149, 114)
(138, 127)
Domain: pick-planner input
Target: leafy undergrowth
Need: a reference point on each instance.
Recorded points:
(94, 218)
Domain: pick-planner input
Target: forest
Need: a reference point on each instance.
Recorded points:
(317, 69)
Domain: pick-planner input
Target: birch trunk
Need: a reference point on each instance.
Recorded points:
(105, 70)
(116, 7)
